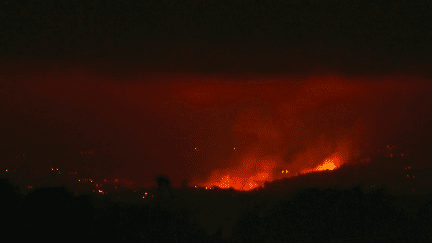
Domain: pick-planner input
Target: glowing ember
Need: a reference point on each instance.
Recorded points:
(239, 183)
(250, 186)
(225, 182)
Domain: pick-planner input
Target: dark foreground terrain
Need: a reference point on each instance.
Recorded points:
(55, 214)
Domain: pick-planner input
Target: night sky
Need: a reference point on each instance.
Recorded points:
(198, 90)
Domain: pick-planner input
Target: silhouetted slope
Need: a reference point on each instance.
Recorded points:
(9, 201)
(307, 213)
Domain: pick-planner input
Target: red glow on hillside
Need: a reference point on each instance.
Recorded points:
(327, 165)
(254, 170)
(245, 179)
(249, 175)
(331, 163)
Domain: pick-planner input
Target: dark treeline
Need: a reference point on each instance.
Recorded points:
(219, 215)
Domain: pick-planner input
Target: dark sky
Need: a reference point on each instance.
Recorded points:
(174, 86)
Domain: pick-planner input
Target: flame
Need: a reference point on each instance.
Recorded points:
(238, 183)
(332, 162)
(328, 164)
(253, 169)
(252, 172)
(225, 182)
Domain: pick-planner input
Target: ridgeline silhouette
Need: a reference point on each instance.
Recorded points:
(309, 206)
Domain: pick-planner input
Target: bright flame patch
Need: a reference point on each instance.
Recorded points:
(247, 176)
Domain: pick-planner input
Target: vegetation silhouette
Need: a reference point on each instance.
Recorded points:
(292, 209)
(163, 182)
(9, 202)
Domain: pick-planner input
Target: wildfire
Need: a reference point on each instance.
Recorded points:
(330, 163)
(327, 165)
(225, 182)
(248, 175)
(251, 185)
(254, 170)
(240, 183)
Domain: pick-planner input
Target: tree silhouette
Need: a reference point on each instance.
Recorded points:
(185, 183)
(163, 181)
